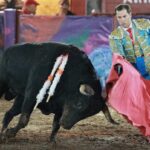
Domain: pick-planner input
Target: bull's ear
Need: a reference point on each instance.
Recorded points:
(86, 90)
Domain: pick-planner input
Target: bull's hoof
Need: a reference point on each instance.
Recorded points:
(3, 138)
(52, 142)
(10, 133)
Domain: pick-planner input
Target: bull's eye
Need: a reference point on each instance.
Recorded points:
(78, 105)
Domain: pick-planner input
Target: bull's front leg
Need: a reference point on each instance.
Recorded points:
(27, 108)
(55, 128)
(23, 121)
(13, 111)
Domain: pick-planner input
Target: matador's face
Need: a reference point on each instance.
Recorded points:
(123, 18)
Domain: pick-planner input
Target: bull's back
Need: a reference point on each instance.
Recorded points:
(27, 53)
(22, 60)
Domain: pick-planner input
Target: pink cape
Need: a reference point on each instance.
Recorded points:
(130, 95)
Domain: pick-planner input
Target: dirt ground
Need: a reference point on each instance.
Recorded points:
(94, 133)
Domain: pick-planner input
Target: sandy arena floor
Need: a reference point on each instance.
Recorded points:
(94, 133)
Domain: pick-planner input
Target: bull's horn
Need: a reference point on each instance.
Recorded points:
(108, 116)
(86, 90)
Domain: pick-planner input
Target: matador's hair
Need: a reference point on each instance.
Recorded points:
(123, 6)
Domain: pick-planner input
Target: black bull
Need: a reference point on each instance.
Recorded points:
(23, 71)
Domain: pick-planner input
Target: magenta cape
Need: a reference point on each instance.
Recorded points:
(130, 95)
